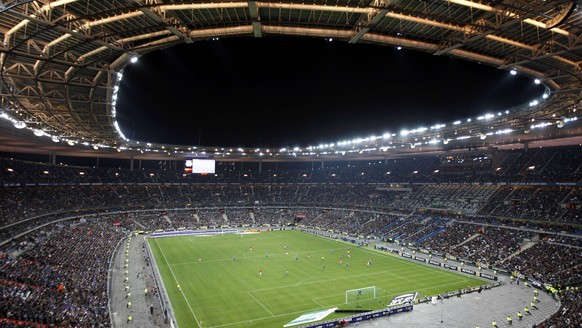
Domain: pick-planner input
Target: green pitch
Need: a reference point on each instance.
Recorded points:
(271, 278)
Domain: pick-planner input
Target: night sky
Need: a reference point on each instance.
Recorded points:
(286, 92)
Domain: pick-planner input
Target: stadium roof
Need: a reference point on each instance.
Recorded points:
(61, 62)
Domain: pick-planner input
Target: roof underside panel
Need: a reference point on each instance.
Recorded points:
(59, 60)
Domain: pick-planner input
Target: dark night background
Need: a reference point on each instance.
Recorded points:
(277, 92)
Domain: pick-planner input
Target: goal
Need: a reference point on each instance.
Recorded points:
(362, 294)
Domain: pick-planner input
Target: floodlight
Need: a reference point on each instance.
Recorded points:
(19, 124)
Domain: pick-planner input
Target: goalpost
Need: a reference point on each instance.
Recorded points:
(362, 294)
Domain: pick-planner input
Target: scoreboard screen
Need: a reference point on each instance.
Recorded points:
(200, 166)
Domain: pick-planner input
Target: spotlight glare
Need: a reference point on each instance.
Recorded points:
(19, 124)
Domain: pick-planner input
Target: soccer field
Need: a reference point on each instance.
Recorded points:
(270, 278)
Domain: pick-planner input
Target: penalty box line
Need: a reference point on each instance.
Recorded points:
(260, 303)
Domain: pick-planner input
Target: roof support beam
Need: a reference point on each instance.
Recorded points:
(256, 19)
(153, 16)
(369, 20)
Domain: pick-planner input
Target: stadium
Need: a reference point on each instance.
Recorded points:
(470, 223)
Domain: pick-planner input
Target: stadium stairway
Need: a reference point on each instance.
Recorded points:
(521, 249)
(139, 224)
(467, 240)
(429, 235)
(379, 231)
(396, 235)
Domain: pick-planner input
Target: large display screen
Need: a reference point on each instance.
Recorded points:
(200, 166)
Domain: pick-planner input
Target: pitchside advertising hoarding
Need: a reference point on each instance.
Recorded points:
(403, 303)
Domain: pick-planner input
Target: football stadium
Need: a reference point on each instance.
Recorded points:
(469, 222)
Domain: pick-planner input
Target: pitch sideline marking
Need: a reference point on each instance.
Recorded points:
(412, 263)
(176, 280)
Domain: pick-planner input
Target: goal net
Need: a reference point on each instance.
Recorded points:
(362, 295)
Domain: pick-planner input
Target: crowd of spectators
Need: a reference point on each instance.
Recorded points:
(62, 280)
(454, 234)
(536, 203)
(355, 223)
(413, 227)
(549, 262)
(552, 204)
(561, 162)
(491, 245)
(570, 313)
(556, 164)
